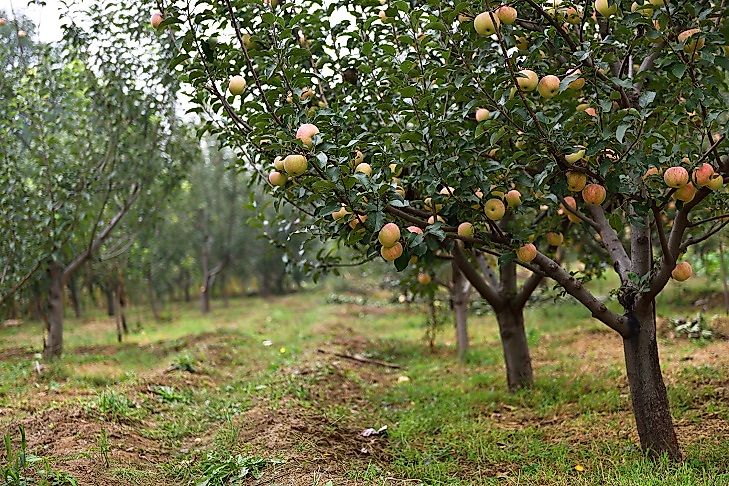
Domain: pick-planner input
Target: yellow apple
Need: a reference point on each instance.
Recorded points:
(676, 177)
(484, 24)
(527, 80)
(555, 239)
(576, 181)
(465, 229)
(364, 168)
(594, 194)
(306, 133)
(548, 86)
(276, 178)
(526, 253)
(482, 114)
(236, 85)
(494, 209)
(389, 235)
(392, 253)
(506, 14)
(295, 164)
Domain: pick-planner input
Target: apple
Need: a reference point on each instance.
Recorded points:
(555, 239)
(236, 85)
(685, 193)
(693, 45)
(594, 194)
(276, 178)
(364, 168)
(703, 174)
(401, 191)
(424, 278)
(578, 83)
(676, 177)
(571, 204)
(526, 253)
(715, 182)
(389, 235)
(446, 191)
(527, 80)
(358, 157)
(494, 209)
(306, 132)
(572, 16)
(22, 34)
(576, 181)
(306, 94)
(522, 43)
(605, 8)
(506, 14)
(358, 220)
(482, 114)
(548, 86)
(383, 16)
(428, 203)
(652, 171)
(682, 271)
(155, 20)
(462, 18)
(415, 229)
(484, 24)
(513, 198)
(278, 163)
(433, 219)
(392, 253)
(575, 156)
(3, 21)
(339, 214)
(247, 40)
(295, 164)
(465, 229)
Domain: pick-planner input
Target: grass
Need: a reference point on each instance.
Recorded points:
(243, 394)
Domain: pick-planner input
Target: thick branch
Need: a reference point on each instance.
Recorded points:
(476, 279)
(611, 242)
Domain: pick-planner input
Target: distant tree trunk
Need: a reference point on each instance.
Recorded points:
(121, 295)
(724, 277)
(205, 287)
(53, 345)
(459, 290)
(73, 290)
(223, 289)
(647, 390)
(109, 294)
(153, 296)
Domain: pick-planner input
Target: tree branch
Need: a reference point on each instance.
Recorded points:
(477, 280)
(611, 242)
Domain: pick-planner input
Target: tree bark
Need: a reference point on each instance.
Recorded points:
(53, 345)
(647, 390)
(459, 290)
(109, 294)
(519, 372)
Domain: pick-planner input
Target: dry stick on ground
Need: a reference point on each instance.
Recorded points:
(361, 359)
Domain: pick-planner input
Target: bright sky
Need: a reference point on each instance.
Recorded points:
(47, 19)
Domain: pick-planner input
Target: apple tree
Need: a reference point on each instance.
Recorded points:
(491, 128)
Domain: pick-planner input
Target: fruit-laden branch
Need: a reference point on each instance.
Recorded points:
(75, 264)
(476, 279)
(577, 290)
(611, 242)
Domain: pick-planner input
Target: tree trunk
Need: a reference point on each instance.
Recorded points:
(53, 345)
(223, 291)
(75, 302)
(121, 301)
(205, 298)
(109, 294)
(519, 372)
(459, 291)
(647, 390)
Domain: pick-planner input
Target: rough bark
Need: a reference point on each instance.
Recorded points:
(647, 390)
(514, 343)
(53, 344)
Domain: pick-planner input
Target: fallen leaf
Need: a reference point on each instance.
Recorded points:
(579, 468)
(267, 342)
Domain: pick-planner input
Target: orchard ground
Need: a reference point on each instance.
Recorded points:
(203, 398)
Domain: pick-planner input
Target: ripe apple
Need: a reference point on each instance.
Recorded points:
(571, 204)
(482, 114)
(3, 21)
(572, 16)
(433, 219)
(155, 20)
(506, 14)
(278, 163)
(605, 8)
(685, 193)
(682, 271)
(462, 18)
(555, 239)
(578, 83)
(236, 85)
(465, 229)
(22, 34)
(428, 203)
(389, 235)
(276, 178)
(358, 157)
(715, 182)
(513, 198)
(306, 94)
(446, 191)
(526, 253)
(339, 214)
(392, 253)
(364, 168)
(383, 16)
(594, 194)
(306, 132)
(576, 181)
(549, 86)
(676, 177)
(358, 220)
(703, 174)
(575, 156)
(494, 209)
(424, 278)
(484, 25)
(693, 45)
(295, 164)
(527, 80)
(415, 229)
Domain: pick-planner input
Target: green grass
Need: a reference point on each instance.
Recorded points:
(201, 398)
